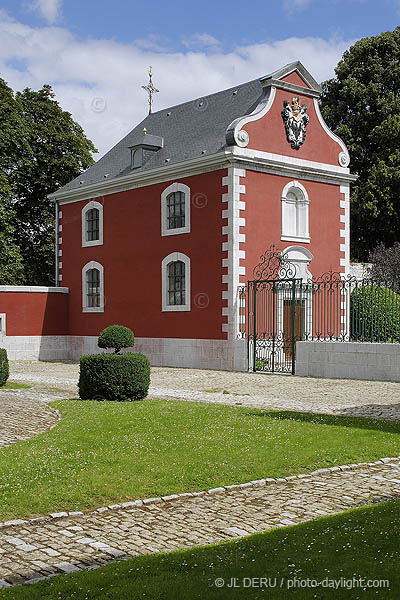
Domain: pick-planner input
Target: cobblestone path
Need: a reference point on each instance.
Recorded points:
(62, 543)
(65, 542)
(22, 415)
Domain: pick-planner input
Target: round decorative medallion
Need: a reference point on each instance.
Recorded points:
(344, 159)
(242, 138)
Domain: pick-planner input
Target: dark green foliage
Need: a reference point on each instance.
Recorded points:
(362, 105)
(386, 265)
(117, 337)
(114, 377)
(374, 314)
(11, 145)
(41, 149)
(4, 368)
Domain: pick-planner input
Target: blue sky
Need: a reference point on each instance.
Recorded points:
(95, 54)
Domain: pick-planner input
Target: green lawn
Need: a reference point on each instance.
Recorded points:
(361, 543)
(103, 452)
(15, 385)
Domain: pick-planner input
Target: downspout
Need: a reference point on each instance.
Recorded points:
(57, 233)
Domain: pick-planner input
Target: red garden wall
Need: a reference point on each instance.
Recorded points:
(39, 311)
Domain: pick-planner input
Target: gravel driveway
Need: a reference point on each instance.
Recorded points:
(338, 396)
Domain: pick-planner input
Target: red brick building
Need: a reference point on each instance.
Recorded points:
(161, 231)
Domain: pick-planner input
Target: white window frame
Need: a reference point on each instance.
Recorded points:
(175, 187)
(85, 209)
(173, 257)
(92, 309)
(293, 186)
(3, 330)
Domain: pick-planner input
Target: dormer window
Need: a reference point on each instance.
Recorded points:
(92, 224)
(175, 209)
(145, 149)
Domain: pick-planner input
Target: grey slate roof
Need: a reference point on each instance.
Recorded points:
(190, 130)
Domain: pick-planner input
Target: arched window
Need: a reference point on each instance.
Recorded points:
(175, 273)
(295, 205)
(176, 283)
(93, 287)
(92, 224)
(175, 209)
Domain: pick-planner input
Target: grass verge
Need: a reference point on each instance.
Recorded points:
(107, 452)
(359, 544)
(15, 385)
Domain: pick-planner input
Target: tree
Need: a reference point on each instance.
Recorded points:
(11, 266)
(362, 105)
(55, 150)
(11, 146)
(385, 265)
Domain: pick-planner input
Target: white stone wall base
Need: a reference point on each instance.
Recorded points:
(348, 360)
(168, 352)
(35, 347)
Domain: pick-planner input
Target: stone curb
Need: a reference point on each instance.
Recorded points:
(57, 412)
(218, 490)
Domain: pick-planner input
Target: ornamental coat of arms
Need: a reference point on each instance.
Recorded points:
(296, 119)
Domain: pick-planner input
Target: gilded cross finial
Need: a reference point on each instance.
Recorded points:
(150, 89)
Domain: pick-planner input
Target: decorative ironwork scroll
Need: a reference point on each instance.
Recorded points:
(274, 265)
(296, 120)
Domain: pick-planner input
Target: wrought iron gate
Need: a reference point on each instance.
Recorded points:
(275, 317)
(274, 314)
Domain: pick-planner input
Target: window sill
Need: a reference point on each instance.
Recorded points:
(178, 308)
(175, 231)
(92, 243)
(295, 238)
(87, 309)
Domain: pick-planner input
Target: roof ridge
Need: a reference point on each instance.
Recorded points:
(233, 87)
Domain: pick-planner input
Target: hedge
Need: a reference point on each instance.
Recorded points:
(117, 337)
(374, 314)
(114, 377)
(4, 367)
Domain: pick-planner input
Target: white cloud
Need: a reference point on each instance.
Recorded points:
(81, 72)
(201, 41)
(50, 10)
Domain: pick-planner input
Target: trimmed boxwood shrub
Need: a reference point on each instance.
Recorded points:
(4, 368)
(114, 377)
(374, 314)
(117, 337)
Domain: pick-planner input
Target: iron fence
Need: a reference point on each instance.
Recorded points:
(276, 313)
